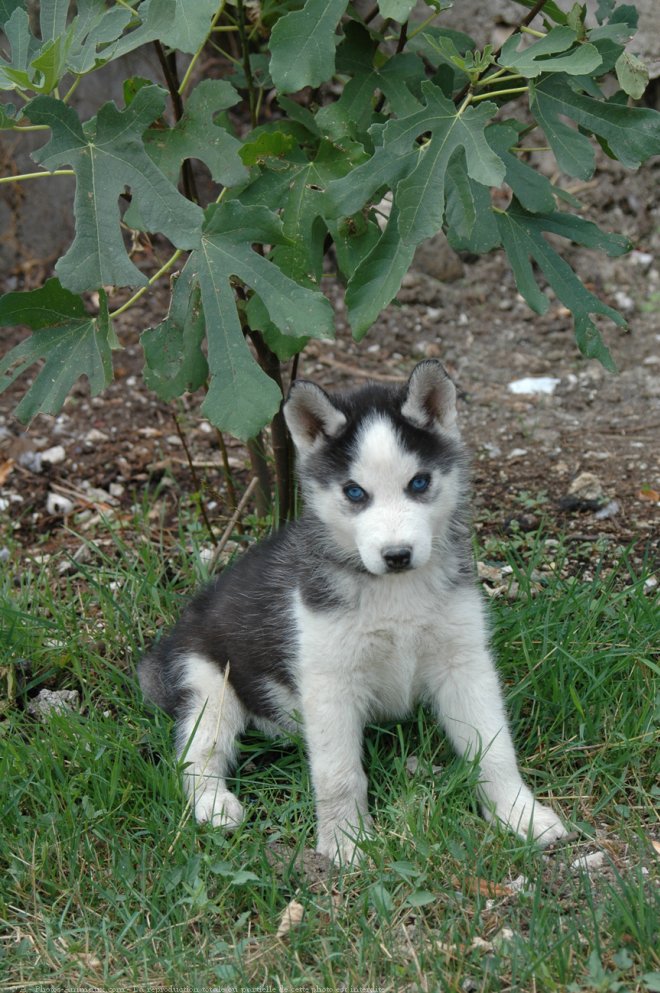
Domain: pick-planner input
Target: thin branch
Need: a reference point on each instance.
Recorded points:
(527, 19)
(247, 68)
(499, 93)
(255, 447)
(170, 71)
(195, 478)
(229, 481)
(35, 175)
(154, 279)
(193, 61)
(226, 534)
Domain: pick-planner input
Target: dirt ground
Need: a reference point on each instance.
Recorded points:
(530, 451)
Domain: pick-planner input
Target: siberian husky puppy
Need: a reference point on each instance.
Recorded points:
(364, 607)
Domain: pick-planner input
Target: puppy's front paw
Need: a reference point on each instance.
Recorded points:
(527, 817)
(546, 826)
(339, 841)
(219, 807)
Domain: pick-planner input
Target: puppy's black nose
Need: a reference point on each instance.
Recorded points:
(397, 559)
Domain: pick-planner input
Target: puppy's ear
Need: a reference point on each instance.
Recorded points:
(311, 416)
(430, 400)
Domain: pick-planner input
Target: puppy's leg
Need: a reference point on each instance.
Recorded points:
(468, 702)
(206, 734)
(333, 730)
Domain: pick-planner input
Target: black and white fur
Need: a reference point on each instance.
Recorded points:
(364, 607)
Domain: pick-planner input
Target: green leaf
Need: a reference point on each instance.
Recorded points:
(542, 55)
(39, 65)
(179, 24)
(531, 188)
(397, 10)
(303, 45)
(632, 133)
(442, 46)
(7, 116)
(633, 75)
(550, 9)
(297, 186)
(174, 359)
(421, 898)
(71, 342)
(52, 18)
(23, 47)
(420, 195)
(285, 346)
(197, 136)
(417, 172)
(241, 398)
(266, 145)
(107, 156)
(94, 31)
(522, 238)
(353, 238)
(469, 218)
(353, 113)
(377, 279)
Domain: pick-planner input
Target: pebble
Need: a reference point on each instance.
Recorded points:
(643, 259)
(587, 863)
(534, 384)
(30, 460)
(58, 505)
(48, 701)
(586, 486)
(54, 455)
(609, 510)
(95, 437)
(623, 301)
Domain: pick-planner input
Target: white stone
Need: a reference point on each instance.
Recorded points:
(58, 505)
(54, 455)
(531, 385)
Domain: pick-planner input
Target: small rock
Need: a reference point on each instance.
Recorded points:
(503, 936)
(491, 573)
(610, 509)
(54, 455)
(534, 384)
(643, 259)
(48, 701)
(517, 453)
(30, 460)
(58, 505)
(623, 301)
(412, 764)
(520, 884)
(94, 437)
(589, 863)
(586, 486)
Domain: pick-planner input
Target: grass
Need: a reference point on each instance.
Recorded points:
(106, 882)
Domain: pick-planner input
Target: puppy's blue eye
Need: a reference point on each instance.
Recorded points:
(355, 493)
(419, 484)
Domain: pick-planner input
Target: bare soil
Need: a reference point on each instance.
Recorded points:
(528, 449)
